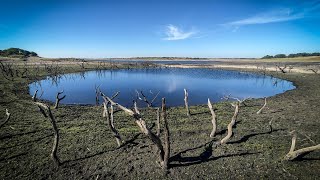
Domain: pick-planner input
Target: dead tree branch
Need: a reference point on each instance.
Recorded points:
(282, 69)
(186, 95)
(158, 122)
(109, 117)
(97, 90)
(314, 70)
(143, 127)
(214, 122)
(154, 98)
(58, 99)
(231, 124)
(241, 101)
(270, 126)
(145, 99)
(115, 95)
(165, 164)
(34, 97)
(264, 105)
(293, 154)
(149, 103)
(7, 118)
(43, 108)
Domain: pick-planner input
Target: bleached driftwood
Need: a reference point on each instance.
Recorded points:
(186, 96)
(58, 99)
(293, 154)
(231, 124)
(43, 108)
(214, 122)
(264, 105)
(7, 118)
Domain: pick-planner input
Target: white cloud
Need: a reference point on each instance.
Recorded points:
(175, 33)
(280, 15)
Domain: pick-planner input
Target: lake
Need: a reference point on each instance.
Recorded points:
(201, 84)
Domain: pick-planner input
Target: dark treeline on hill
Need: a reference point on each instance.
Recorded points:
(16, 52)
(291, 55)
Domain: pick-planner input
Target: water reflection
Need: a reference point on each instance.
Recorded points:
(201, 84)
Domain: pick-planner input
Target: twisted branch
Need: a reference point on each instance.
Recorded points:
(231, 124)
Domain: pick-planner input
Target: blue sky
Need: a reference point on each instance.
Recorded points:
(131, 28)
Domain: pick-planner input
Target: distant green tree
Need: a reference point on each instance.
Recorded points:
(292, 55)
(280, 56)
(267, 57)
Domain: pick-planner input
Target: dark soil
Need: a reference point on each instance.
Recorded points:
(88, 149)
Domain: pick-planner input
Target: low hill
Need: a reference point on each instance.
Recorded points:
(16, 52)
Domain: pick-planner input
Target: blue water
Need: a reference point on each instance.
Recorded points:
(202, 84)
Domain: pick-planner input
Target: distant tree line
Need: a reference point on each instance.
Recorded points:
(291, 55)
(16, 52)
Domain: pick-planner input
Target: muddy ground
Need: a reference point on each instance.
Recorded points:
(88, 150)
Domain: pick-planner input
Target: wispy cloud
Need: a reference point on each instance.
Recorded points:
(280, 15)
(175, 33)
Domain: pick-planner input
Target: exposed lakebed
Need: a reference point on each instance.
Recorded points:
(201, 84)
